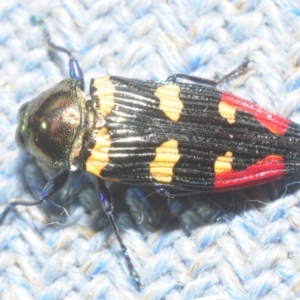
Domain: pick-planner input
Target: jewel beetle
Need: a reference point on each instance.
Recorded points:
(177, 136)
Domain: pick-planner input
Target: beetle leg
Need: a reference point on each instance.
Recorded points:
(173, 78)
(108, 208)
(74, 68)
(53, 186)
(171, 193)
(241, 69)
(235, 73)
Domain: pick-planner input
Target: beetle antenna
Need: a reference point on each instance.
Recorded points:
(74, 68)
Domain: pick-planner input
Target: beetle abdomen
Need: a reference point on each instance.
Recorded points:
(188, 137)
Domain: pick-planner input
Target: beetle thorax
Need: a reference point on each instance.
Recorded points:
(52, 125)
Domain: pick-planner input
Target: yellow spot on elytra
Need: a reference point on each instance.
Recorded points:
(227, 111)
(169, 101)
(224, 163)
(167, 155)
(99, 157)
(105, 91)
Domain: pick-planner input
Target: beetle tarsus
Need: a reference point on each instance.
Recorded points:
(107, 206)
(241, 69)
(5, 212)
(11, 204)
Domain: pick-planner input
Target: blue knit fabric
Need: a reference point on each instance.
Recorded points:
(235, 245)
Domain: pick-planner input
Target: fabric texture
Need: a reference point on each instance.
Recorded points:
(235, 245)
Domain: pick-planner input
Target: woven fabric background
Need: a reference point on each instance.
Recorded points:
(235, 245)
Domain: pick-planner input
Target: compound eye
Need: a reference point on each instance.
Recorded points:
(21, 111)
(20, 140)
(19, 136)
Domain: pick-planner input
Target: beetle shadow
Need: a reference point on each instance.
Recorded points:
(143, 206)
(154, 212)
